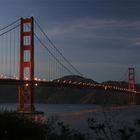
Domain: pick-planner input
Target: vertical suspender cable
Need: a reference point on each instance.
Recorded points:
(6, 48)
(18, 51)
(6, 57)
(14, 54)
(10, 66)
(2, 54)
(66, 60)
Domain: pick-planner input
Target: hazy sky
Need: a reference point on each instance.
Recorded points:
(100, 37)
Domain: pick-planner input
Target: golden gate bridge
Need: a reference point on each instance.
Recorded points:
(27, 53)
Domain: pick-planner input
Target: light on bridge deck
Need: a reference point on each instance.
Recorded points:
(4, 77)
(26, 78)
(105, 87)
(1, 76)
(26, 84)
(17, 78)
(36, 84)
(74, 82)
(79, 83)
(38, 79)
(35, 78)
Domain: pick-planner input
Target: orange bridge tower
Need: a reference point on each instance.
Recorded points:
(25, 92)
(131, 85)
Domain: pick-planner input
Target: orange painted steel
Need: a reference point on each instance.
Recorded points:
(131, 84)
(25, 92)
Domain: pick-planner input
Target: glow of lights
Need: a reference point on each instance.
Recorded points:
(26, 78)
(1, 76)
(26, 84)
(35, 78)
(36, 84)
(79, 83)
(16, 78)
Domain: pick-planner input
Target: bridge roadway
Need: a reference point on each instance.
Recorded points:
(70, 84)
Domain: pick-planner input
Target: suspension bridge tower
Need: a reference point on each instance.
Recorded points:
(131, 84)
(25, 92)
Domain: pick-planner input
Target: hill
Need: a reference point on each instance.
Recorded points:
(67, 95)
(75, 78)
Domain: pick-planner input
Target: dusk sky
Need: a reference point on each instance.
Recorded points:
(101, 38)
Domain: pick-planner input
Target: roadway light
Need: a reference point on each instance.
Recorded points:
(36, 84)
(1, 75)
(35, 78)
(26, 78)
(26, 84)
(17, 78)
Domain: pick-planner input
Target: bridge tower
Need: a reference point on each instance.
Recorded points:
(131, 84)
(25, 92)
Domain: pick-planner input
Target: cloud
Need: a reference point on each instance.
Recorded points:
(100, 48)
(89, 28)
(136, 44)
(103, 70)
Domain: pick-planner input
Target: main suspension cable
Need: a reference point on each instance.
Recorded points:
(52, 54)
(57, 49)
(9, 30)
(9, 25)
